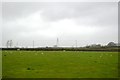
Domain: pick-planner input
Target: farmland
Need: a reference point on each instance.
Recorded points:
(0, 63)
(59, 64)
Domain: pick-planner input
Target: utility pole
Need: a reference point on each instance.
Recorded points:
(76, 43)
(7, 44)
(33, 43)
(11, 43)
(17, 44)
(57, 43)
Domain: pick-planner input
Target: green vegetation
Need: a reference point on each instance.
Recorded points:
(59, 64)
(0, 64)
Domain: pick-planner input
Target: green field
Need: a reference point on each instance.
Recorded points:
(0, 64)
(59, 64)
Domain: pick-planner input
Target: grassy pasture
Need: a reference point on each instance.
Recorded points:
(59, 64)
(0, 64)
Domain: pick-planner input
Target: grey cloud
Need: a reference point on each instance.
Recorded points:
(0, 24)
(72, 10)
(102, 15)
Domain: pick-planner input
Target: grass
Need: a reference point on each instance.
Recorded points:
(59, 64)
(0, 64)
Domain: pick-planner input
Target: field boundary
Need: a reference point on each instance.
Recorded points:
(116, 49)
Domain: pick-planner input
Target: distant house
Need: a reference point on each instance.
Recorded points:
(94, 46)
(55, 46)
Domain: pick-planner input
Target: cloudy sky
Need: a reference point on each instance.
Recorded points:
(0, 24)
(44, 22)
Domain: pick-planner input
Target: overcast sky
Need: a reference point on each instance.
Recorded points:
(0, 24)
(44, 22)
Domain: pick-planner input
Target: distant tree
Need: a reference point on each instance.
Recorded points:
(111, 44)
(87, 46)
(118, 44)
